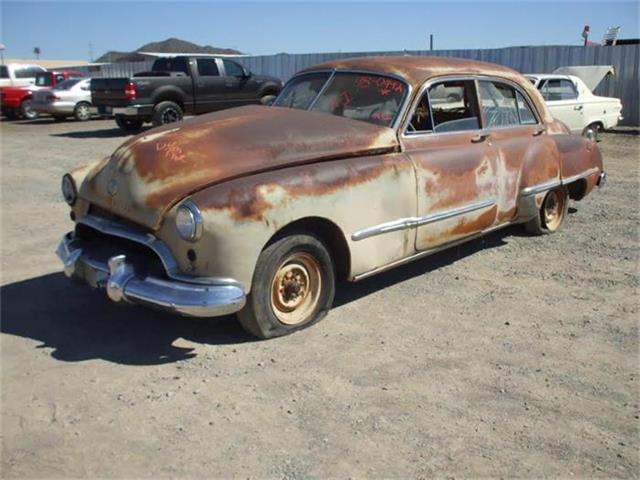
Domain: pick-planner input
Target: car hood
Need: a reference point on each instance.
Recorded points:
(153, 171)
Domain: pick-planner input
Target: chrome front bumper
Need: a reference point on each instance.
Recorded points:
(602, 179)
(123, 285)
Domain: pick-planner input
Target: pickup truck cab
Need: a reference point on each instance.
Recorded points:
(17, 101)
(180, 85)
(16, 74)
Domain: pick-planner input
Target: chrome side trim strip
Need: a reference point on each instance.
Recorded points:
(426, 253)
(412, 222)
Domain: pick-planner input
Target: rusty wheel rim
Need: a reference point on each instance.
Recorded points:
(553, 209)
(295, 290)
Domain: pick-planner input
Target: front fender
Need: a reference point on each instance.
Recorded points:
(241, 216)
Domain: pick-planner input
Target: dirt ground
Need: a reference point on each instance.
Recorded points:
(511, 356)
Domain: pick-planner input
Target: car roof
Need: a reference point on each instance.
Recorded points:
(417, 69)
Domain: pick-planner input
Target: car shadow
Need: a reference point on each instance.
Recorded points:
(103, 133)
(78, 323)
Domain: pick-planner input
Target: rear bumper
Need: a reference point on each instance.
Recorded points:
(128, 111)
(123, 285)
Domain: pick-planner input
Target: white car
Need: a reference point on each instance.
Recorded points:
(16, 74)
(70, 98)
(568, 92)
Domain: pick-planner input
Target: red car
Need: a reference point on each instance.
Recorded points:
(16, 101)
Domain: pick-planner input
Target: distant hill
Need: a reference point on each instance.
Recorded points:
(170, 45)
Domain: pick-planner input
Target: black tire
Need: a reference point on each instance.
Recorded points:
(10, 114)
(591, 132)
(540, 224)
(261, 316)
(82, 112)
(267, 99)
(26, 110)
(129, 125)
(165, 113)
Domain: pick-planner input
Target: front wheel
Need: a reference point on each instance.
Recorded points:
(27, 111)
(267, 99)
(293, 287)
(129, 125)
(552, 214)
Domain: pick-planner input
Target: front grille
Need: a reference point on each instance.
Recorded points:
(101, 246)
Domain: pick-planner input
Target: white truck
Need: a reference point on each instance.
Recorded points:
(568, 92)
(17, 74)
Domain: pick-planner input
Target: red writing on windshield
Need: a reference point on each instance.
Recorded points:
(384, 85)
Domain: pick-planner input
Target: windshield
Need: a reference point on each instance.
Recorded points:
(371, 98)
(67, 84)
(44, 79)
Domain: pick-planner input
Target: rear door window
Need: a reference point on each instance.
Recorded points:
(499, 104)
(207, 67)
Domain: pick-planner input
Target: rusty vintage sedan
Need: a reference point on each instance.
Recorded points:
(359, 166)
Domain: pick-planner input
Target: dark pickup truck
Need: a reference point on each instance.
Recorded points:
(180, 85)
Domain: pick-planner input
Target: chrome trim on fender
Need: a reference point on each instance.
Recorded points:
(543, 187)
(584, 174)
(412, 222)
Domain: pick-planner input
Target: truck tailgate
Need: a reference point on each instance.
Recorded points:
(109, 92)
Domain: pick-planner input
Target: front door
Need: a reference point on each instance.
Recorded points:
(456, 164)
(210, 86)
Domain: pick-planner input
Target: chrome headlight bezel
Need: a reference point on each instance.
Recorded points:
(69, 189)
(189, 221)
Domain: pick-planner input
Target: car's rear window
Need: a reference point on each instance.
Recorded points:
(44, 79)
(4, 71)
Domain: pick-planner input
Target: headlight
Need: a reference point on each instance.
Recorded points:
(189, 221)
(69, 191)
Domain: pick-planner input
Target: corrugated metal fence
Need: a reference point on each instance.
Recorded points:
(625, 58)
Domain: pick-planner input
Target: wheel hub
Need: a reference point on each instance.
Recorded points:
(295, 289)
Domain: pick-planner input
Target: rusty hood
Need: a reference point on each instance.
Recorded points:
(153, 171)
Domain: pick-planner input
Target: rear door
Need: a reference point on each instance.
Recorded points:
(456, 165)
(210, 85)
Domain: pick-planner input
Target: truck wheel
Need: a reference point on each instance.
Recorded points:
(82, 111)
(591, 132)
(129, 125)
(166, 112)
(10, 114)
(552, 214)
(27, 111)
(293, 287)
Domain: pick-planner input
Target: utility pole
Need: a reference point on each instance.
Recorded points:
(2, 47)
(431, 42)
(36, 52)
(90, 52)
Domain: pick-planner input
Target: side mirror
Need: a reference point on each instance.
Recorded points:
(246, 73)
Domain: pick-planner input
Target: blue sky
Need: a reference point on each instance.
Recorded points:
(63, 30)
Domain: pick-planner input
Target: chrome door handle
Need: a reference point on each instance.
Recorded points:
(578, 107)
(539, 131)
(481, 137)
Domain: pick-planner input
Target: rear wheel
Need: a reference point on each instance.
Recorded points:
(129, 125)
(267, 99)
(293, 287)
(27, 111)
(9, 113)
(552, 214)
(166, 112)
(82, 112)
